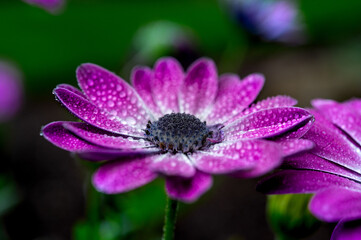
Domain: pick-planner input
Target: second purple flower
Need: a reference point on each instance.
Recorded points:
(331, 170)
(184, 126)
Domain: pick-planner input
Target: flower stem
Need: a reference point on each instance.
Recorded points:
(170, 219)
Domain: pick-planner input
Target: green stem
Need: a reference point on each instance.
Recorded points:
(170, 219)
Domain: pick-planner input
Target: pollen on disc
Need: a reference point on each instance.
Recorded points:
(178, 132)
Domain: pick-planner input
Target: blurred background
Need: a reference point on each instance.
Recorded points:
(306, 49)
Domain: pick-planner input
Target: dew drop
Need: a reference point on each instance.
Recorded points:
(122, 94)
(119, 87)
(110, 103)
(90, 82)
(130, 120)
(113, 112)
(133, 100)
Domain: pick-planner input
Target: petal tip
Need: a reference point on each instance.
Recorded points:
(319, 102)
(203, 62)
(138, 73)
(166, 60)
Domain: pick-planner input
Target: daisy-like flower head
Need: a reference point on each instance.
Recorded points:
(11, 91)
(52, 6)
(332, 170)
(183, 126)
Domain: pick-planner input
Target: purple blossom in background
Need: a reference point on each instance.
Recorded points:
(11, 91)
(332, 169)
(273, 20)
(52, 6)
(182, 126)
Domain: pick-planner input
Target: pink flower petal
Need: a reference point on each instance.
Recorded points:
(188, 189)
(200, 87)
(234, 95)
(303, 181)
(65, 139)
(267, 123)
(214, 164)
(354, 103)
(334, 204)
(320, 104)
(112, 94)
(123, 176)
(301, 130)
(107, 154)
(310, 161)
(103, 138)
(293, 146)
(266, 156)
(271, 102)
(59, 136)
(332, 144)
(141, 80)
(72, 89)
(241, 155)
(91, 114)
(347, 230)
(168, 78)
(343, 115)
(172, 165)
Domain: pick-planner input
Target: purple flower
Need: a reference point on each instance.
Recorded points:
(273, 20)
(183, 126)
(52, 6)
(11, 91)
(332, 169)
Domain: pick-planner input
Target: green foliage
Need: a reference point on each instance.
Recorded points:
(49, 48)
(289, 216)
(122, 216)
(331, 21)
(9, 196)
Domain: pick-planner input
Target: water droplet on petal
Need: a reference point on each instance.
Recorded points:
(122, 94)
(110, 103)
(130, 120)
(90, 82)
(119, 87)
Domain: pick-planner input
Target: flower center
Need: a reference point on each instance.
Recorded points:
(178, 132)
